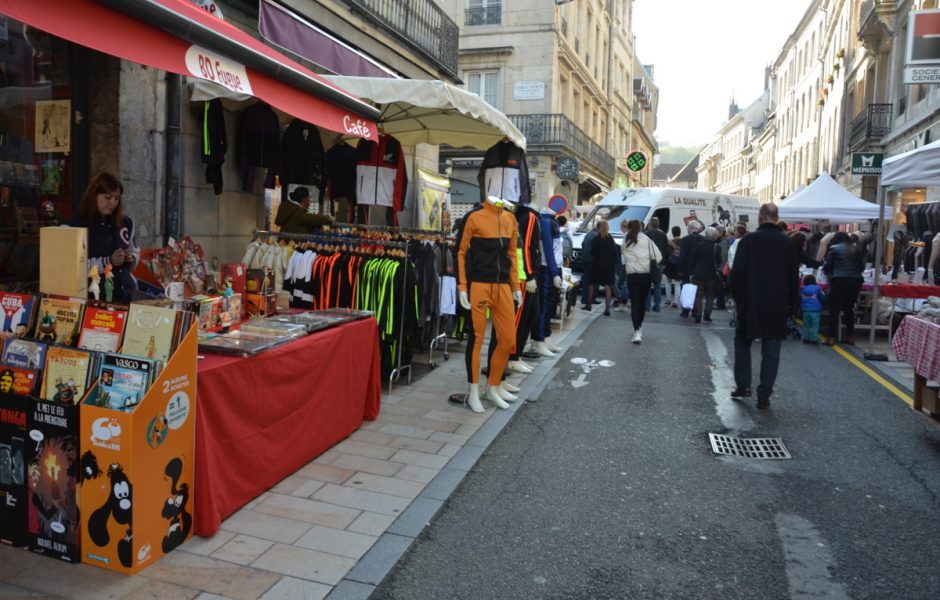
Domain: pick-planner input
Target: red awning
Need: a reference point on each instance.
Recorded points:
(179, 37)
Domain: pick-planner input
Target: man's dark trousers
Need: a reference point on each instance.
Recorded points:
(769, 363)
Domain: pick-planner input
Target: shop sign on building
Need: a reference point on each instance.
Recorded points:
(210, 6)
(922, 64)
(866, 163)
(636, 161)
(213, 67)
(528, 90)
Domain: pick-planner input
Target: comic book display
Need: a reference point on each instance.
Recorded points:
(14, 441)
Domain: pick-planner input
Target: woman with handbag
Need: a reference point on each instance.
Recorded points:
(641, 258)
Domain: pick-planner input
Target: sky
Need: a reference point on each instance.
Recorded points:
(704, 54)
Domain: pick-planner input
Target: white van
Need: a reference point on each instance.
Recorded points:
(671, 206)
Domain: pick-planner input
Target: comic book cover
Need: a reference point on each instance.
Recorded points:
(149, 331)
(123, 381)
(18, 380)
(28, 354)
(18, 312)
(53, 480)
(65, 377)
(59, 320)
(102, 329)
(13, 442)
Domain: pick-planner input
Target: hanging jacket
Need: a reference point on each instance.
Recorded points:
(551, 242)
(530, 242)
(302, 158)
(341, 171)
(259, 137)
(505, 174)
(487, 251)
(214, 142)
(380, 173)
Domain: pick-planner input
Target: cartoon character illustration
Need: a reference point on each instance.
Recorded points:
(119, 507)
(108, 282)
(53, 503)
(88, 467)
(65, 393)
(46, 330)
(6, 381)
(151, 347)
(94, 290)
(174, 510)
(157, 431)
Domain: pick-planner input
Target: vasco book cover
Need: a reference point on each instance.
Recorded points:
(65, 377)
(123, 381)
(149, 332)
(59, 320)
(18, 312)
(28, 354)
(102, 329)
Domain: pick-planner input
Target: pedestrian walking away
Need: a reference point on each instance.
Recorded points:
(811, 303)
(640, 255)
(605, 261)
(765, 287)
(843, 266)
(686, 250)
(661, 240)
(705, 276)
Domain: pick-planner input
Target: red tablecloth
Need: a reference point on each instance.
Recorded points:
(260, 419)
(908, 290)
(918, 342)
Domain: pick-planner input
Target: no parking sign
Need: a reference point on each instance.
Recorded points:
(558, 203)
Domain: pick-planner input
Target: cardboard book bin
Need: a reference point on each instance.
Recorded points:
(137, 470)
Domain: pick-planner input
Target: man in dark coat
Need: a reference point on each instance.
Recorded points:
(659, 238)
(765, 287)
(686, 251)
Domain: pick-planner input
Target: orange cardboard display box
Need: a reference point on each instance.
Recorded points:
(136, 494)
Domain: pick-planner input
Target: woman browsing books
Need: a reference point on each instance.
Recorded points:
(110, 234)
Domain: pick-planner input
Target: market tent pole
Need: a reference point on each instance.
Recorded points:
(879, 250)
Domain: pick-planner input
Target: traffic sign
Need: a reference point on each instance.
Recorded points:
(636, 161)
(558, 203)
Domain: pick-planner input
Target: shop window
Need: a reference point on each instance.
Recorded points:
(35, 145)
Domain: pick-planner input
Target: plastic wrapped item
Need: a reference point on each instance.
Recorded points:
(274, 327)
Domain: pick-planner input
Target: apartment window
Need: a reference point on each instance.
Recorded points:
(484, 12)
(485, 84)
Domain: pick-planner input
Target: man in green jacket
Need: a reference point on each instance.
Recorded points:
(292, 215)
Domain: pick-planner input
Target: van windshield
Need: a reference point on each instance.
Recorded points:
(613, 215)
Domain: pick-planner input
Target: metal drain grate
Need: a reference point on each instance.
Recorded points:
(748, 447)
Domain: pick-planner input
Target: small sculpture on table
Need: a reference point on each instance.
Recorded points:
(108, 282)
(94, 290)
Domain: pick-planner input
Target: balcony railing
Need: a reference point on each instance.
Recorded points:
(559, 130)
(484, 15)
(419, 23)
(871, 125)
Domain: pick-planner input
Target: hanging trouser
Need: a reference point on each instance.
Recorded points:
(546, 309)
(526, 314)
(497, 297)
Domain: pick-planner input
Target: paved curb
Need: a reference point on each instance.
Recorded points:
(361, 581)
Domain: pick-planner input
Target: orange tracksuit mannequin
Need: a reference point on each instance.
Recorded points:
(486, 265)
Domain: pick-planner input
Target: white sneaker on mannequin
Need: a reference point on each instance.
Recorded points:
(495, 395)
(541, 349)
(517, 366)
(473, 398)
(508, 387)
(552, 347)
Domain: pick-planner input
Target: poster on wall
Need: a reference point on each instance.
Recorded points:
(53, 131)
(433, 199)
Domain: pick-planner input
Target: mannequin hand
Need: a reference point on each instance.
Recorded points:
(517, 297)
(557, 282)
(465, 300)
(531, 286)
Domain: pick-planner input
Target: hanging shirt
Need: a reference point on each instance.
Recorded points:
(302, 158)
(380, 173)
(505, 174)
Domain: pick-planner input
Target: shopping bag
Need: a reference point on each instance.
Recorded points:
(687, 296)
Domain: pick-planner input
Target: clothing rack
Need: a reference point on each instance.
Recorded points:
(441, 237)
(327, 237)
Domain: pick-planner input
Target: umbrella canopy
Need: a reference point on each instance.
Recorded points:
(432, 112)
(825, 199)
(920, 167)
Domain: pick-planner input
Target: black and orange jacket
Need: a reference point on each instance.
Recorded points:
(530, 241)
(487, 251)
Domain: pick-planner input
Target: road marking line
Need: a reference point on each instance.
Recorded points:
(874, 375)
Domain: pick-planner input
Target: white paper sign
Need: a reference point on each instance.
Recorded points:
(528, 90)
(213, 67)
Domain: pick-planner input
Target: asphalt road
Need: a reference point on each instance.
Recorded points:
(611, 490)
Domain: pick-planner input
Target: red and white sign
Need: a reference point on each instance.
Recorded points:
(923, 38)
(213, 67)
(209, 6)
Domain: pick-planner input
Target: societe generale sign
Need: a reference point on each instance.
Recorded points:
(213, 67)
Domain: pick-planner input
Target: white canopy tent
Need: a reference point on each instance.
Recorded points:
(432, 112)
(825, 199)
(917, 168)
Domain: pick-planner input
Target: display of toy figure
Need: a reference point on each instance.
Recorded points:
(225, 321)
(108, 282)
(94, 290)
(45, 332)
(228, 292)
